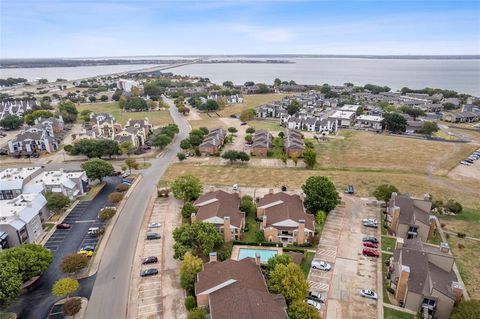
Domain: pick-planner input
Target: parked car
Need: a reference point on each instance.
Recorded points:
(368, 294)
(154, 225)
(243, 123)
(150, 260)
(117, 173)
(370, 252)
(35, 155)
(125, 175)
(316, 296)
(369, 244)
(64, 226)
(350, 190)
(314, 304)
(370, 224)
(151, 236)
(149, 272)
(465, 163)
(321, 265)
(88, 247)
(94, 230)
(87, 253)
(370, 239)
(235, 187)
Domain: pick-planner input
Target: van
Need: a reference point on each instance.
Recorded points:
(93, 230)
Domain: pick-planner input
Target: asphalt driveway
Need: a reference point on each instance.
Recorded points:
(37, 301)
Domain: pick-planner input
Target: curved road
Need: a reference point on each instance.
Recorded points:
(110, 292)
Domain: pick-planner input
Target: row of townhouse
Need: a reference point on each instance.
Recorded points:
(283, 216)
(468, 114)
(23, 204)
(16, 107)
(44, 136)
(420, 274)
(103, 125)
(231, 99)
(213, 142)
(293, 143)
(262, 143)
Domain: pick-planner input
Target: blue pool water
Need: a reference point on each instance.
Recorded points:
(265, 255)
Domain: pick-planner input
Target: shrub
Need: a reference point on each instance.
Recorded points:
(197, 313)
(68, 148)
(443, 225)
(461, 235)
(460, 246)
(115, 197)
(122, 187)
(454, 206)
(447, 235)
(190, 303)
(72, 306)
(106, 213)
(391, 290)
(187, 210)
(73, 263)
(250, 130)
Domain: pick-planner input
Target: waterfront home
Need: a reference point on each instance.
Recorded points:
(237, 290)
(423, 278)
(222, 210)
(408, 217)
(284, 218)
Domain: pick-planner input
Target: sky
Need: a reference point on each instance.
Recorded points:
(95, 28)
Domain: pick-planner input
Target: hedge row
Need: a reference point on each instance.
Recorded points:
(250, 243)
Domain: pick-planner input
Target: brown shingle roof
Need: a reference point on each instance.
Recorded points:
(409, 212)
(220, 203)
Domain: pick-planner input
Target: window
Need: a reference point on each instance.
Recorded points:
(412, 232)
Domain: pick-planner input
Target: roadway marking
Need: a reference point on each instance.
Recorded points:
(85, 221)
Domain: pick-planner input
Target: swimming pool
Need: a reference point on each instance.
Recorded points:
(265, 254)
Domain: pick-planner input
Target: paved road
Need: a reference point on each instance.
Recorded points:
(110, 293)
(36, 302)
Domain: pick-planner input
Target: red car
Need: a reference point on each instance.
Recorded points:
(370, 252)
(369, 244)
(63, 226)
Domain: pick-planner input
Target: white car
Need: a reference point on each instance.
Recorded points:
(370, 220)
(314, 304)
(235, 187)
(465, 163)
(322, 265)
(125, 175)
(154, 225)
(368, 294)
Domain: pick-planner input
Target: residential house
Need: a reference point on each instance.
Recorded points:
(34, 139)
(21, 219)
(237, 290)
(262, 143)
(461, 117)
(213, 141)
(13, 180)
(284, 218)
(369, 121)
(408, 217)
(343, 118)
(222, 210)
(127, 85)
(16, 107)
(423, 278)
(70, 183)
(293, 143)
(105, 125)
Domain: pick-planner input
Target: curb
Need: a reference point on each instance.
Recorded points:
(49, 234)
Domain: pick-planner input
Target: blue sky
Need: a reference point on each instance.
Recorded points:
(62, 28)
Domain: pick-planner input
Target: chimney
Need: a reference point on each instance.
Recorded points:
(444, 248)
(402, 285)
(457, 290)
(257, 259)
(302, 196)
(433, 222)
(212, 256)
(264, 221)
(227, 233)
(399, 243)
(395, 212)
(270, 190)
(301, 232)
(426, 196)
(211, 189)
(392, 197)
(260, 212)
(193, 217)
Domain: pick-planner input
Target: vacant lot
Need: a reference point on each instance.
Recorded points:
(250, 101)
(269, 125)
(208, 120)
(365, 181)
(156, 118)
(385, 152)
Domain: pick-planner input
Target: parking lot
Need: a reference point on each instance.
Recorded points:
(341, 246)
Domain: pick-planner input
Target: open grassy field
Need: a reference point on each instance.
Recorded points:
(361, 149)
(365, 181)
(251, 101)
(389, 313)
(156, 118)
(269, 125)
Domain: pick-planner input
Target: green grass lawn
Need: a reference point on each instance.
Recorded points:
(156, 118)
(269, 125)
(48, 226)
(253, 227)
(436, 239)
(384, 279)
(389, 313)
(388, 244)
(307, 262)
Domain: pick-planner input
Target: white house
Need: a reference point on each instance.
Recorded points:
(369, 121)
(343, 118)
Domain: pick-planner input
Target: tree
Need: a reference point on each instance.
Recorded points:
(384, 192)
(359, 111)
(262, 88)
(10, 281)
(85, 115)
(247, 205)
(125, 147)
(73, 263)
(30, 259)
(204, 130)
(320, 217)
(186, 187)
(428, 128)
(232, 129)
(250, 130)
(72, 306)
(108, 213)
(122, 188)
(310, 157)
(243, 156)
(231, 155)
(209, 105)
(31, 117)
(247, 115)
(122, 102)
(115, 197)
(294, 158)
(95, 148)
(449, 106)
(454, 206)
(136, 104)
(11, 122)
(161, 141)
(228, 84)
(92, 98)
(320, 194)
(56, 202)
(131, 163)
(68, 111)
(299, 309)
(466, 310)
(412, 111)
(190, 302)
(277, 82)
(64, 287)
(197, 313)
(151, 104)
(185, 144)
(248, 138)
(283, 259)
(104, 98)
(187, 210)
(195, 140)
(199, 238)
(289, 281)
(394, 122)
(181, 156)
(189, 268)
(293, 107)
(97, 168)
